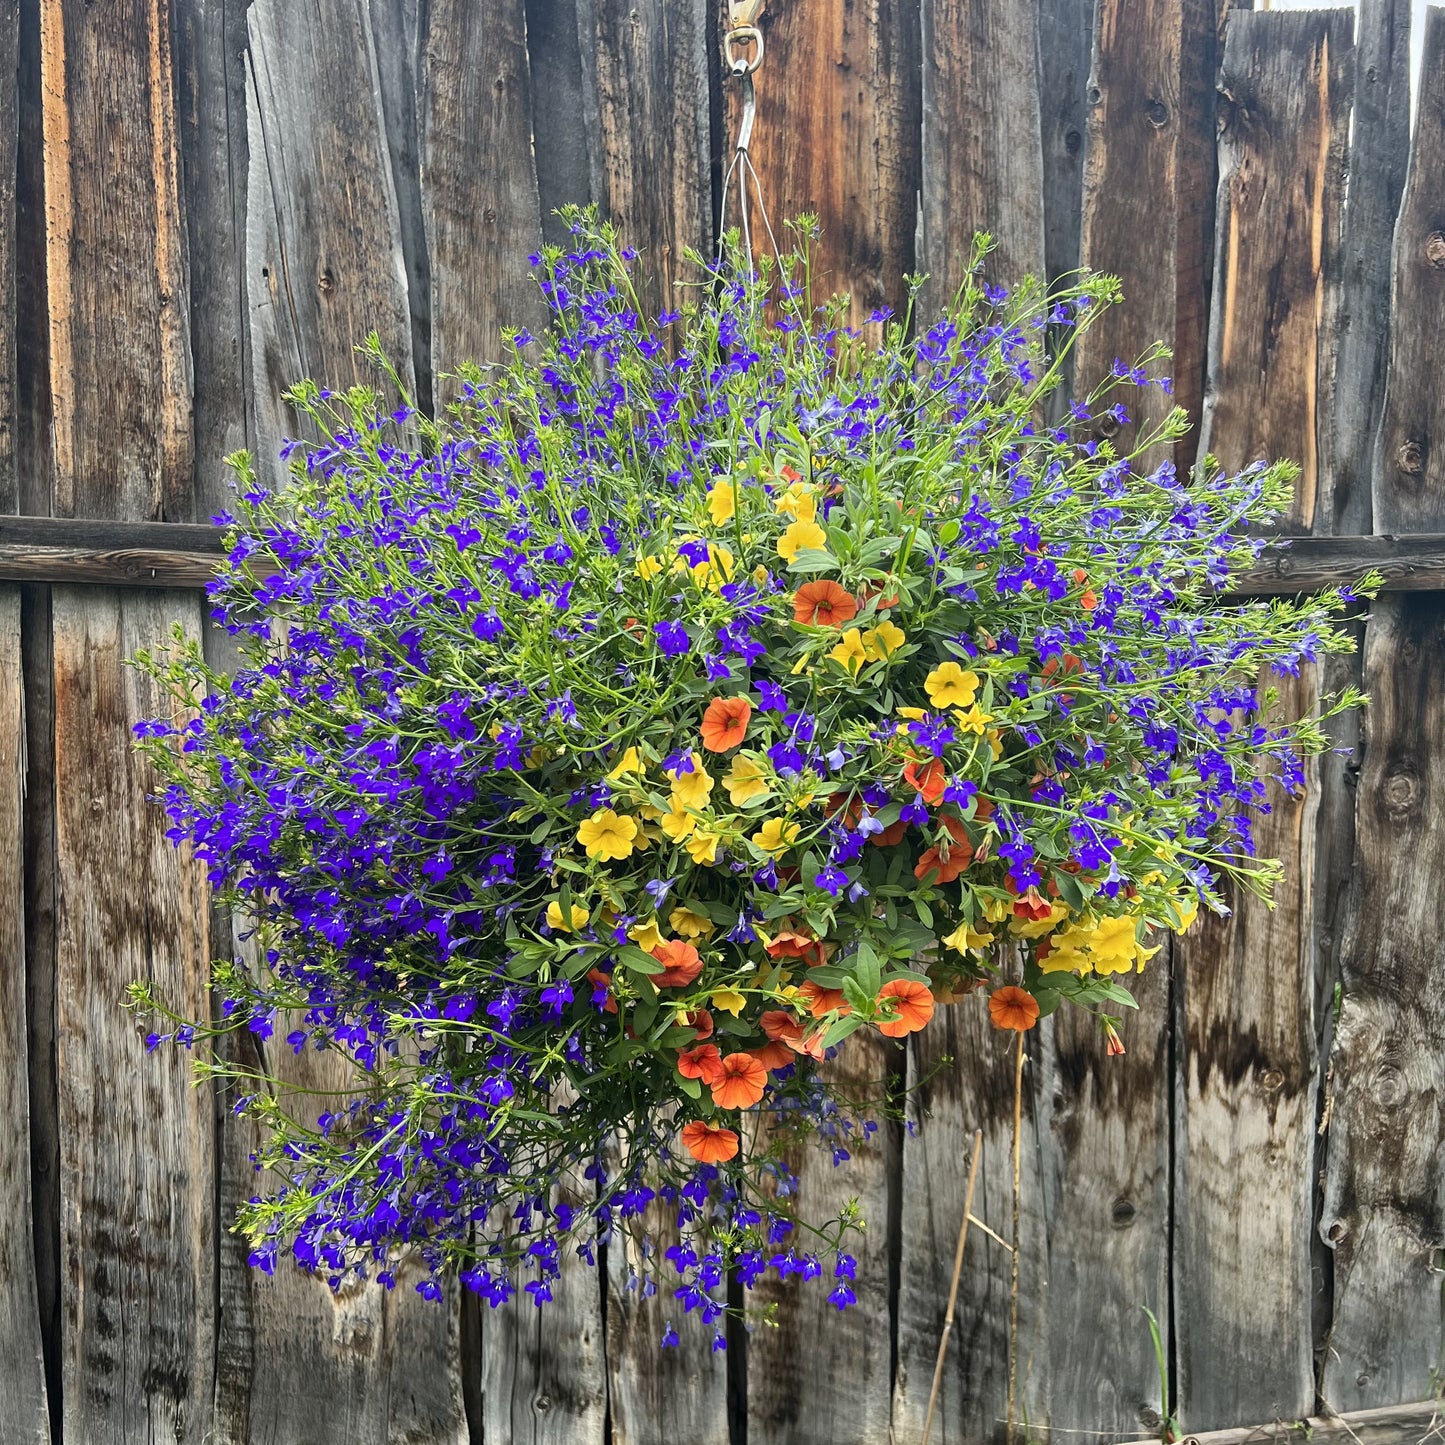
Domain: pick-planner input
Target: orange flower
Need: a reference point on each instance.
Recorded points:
(701, 1020)
(681, 964)
(779, 1025)
(702, 1061)
(599, 979)
(789, 943)
(982, 809)
(928, 779)
(709, 1143)
(1088, 601)
(822, 1000)
(959, 856)
(1113, 1044)
(824, 604)
(776, 1055)
(1032, 905)
(892, 834)
(912, 1009)
(725, 723)
(1012, 1008)
(740, 1082)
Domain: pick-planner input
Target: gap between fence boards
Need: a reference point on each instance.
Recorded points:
(185, 554)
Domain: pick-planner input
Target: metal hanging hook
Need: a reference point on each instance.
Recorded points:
(742, 49)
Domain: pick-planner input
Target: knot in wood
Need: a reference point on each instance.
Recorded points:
(1411, 457)
(1401, 791)
(1157, 114)
(1389, 1086)
(1435, 249)
(1123, 1213)
(326, 282)
(1271, 1081)
(543, 1403)
(1107, 427)
(1337, 1231)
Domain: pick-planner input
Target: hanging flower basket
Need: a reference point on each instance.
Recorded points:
(684, 701)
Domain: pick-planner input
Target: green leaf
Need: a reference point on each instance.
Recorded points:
(924, 912)
(841, 1028)
(861, 1002)
(541, 830)
(637, 961)
(691, 1087)
(810, 559)
(1069, 889)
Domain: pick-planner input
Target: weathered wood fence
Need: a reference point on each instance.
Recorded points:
(202, 200)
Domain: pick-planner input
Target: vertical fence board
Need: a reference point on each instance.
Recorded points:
(1410, 457)
(137, 1243)
(980, 177)
(1285, 119)
(821, 1376)
(1384, 1206)
(9, 176)
(1065, 30)
(482, 221)
(838, 136)
(324, 258)
(22, 1364)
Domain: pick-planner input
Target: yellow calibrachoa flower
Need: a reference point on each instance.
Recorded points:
(608, 835)
(647, 936)
(728, 1000)
(1114, 946)
(554, 917)
(850, 654)
(649, 567)
(801, 537)
(995, 742)
(716, 570)
(1066, 952)
(702, 846)
(776, 836)
(678, 824)
(746, 779)
(995, 910)
(691, 790)
(948, 685)
(882, 641)
(1037, 927)
(721, 503)
(977, 721)
(629, 762)
(798, 502)
(1188, 911)
(963, 938)
(690, 924)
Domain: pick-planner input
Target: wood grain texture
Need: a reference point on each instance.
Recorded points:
(1065, 32)
(837, 135)
(117, 275)
(1379, 148)
(962, 1071)
(324, 258)
(26, 1415)
(136, 1155)
(9, 314)
(1409, 481)
(820, 1376)
(482, 220)
(1146, 194)
(1384, 1204)
(645, 80)
(1413, 1424)
(1284, 123)
(568, 163)
(980, 177)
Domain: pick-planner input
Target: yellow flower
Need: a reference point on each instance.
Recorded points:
(690, 924)
(995, 742)
(1114, 946)
(679, 824)
(691, 790)
(1188, 912)
(703, 846)
(716, 570)
(995, 910)
(554, 917)
(776, 837)
(882, 641)
(798, 502)
(629, 762)
(721, 503)
(1066, 952)
(976, 721)
(850, 654)
(647, 936)
(801, 537)
(949, 685)
(1037, 927)
(745, 780)
(728, 1000)
(649, 567)
(963, 938)
(607, 835)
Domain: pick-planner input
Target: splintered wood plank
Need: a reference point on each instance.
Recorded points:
(324, 257)
(837, 136)
(1379, 148)
(1384, 1206)
(482, 219)
(645, 70)
(137, 1242)
(1147, 191)
(1409, 489)
(961, 1077)
(818, 1376)
(22, 1365)
(118, 293)
(1284, 123)
(659, 1396)
(987, 177)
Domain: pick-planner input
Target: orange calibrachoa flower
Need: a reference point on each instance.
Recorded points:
(822, 1000)
(1012, 1008)
(740, 1082)
(773, 1055)
(927, 778)
(701, 1020)
(789, 943)
(709, 1143)
(933, 867)
(824, 604)
(725, 723)
(912, 1008)
(681, 964)
(891, 835)
(702, 1061)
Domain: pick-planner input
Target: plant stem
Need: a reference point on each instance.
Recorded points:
(1013, 1307)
